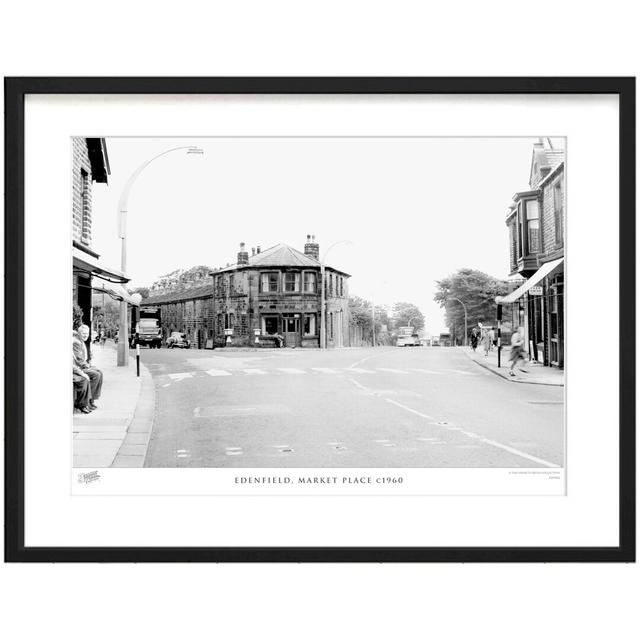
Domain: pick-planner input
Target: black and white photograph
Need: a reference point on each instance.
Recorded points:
(319, 303)
(362, 320)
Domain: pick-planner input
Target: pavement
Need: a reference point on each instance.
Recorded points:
(117, 433)
(379, 407)
(532, 373)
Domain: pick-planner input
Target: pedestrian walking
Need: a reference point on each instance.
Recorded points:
(474, 339)
(492, 338)
(486, 342)
(517, 350)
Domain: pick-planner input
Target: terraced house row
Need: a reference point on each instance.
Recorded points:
(536, 223)
(267, 298)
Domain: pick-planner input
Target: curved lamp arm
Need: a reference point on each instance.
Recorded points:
(324, 255)
(124, 196)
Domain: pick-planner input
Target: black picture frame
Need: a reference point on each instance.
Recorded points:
(15, 91)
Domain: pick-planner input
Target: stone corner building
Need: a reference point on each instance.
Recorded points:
(272, 292)
(536, 223)
(277, 292)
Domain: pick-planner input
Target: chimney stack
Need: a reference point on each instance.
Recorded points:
(253, 251)
(312, 248)
(257, 249)
(243, 256)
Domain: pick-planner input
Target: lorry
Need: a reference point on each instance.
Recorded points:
(408, 337)
(145, 327)
(444, 340)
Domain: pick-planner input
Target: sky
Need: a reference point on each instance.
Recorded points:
(405, 212)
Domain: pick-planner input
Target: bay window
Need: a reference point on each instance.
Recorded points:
(269, 282)
(292, 282)
(309, 282)
(532, 226)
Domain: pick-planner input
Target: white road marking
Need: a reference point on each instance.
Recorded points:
(218, 372)
(255, 372)
(233, 448)
(181, 376)
(233, 453)
(377, 355)
(324, 370)
(357, 384)
(464, 373)
(392, 370)
(436, 373)
(402, 406)
(516, 452)
(381, 441)
(167, 385)
(480, 438)
(290, 370)
(355, 370)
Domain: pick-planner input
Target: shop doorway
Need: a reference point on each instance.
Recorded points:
(291, 330)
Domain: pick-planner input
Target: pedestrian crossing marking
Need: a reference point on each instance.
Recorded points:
(254, 371)
(180, 376)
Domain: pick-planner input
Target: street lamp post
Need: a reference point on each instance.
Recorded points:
(323, 302)
(123, 329)
(373, 323)
(465, 319)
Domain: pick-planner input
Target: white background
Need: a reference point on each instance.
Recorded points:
(587, 516)
(546, 38)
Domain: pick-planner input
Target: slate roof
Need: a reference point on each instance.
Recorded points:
(280, 255)
(543, 158)
(204, 291)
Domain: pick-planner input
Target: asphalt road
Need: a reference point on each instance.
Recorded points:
(384, 407)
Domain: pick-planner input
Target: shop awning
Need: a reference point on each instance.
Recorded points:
(82, 261)
(545, 270)
(113, 289)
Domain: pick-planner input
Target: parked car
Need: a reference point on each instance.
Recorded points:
(178, 340)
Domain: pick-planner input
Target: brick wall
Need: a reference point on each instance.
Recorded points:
(194, 318)
(238, 293)
(549, 245)
(338, 306)
(81, 206)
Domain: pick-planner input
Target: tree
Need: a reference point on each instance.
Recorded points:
(77, 316)
(143, 291)
(477, 290)
(405, 314)
(360, 312)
